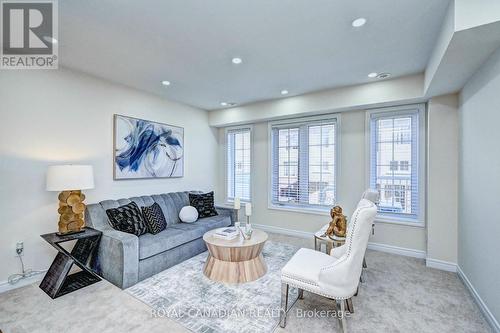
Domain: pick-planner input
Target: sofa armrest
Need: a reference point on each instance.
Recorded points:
(118, 257)
(226, 211)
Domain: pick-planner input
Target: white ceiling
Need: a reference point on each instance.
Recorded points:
(298, 45)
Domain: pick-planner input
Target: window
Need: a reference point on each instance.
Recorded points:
(238, 163)
(395, 162)
(303, 163)
(394, 165)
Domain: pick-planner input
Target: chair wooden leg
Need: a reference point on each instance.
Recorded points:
(349, 306)
(284, 304)
(341, 315)
(301, 294)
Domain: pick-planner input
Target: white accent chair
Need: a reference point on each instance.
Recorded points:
(333, 277)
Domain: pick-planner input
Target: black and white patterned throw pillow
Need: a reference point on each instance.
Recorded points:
(127, 218)
(204, 204)
(154, 218)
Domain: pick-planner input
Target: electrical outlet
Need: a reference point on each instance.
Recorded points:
(19, 248)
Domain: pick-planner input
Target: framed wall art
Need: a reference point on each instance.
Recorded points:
(147, 149)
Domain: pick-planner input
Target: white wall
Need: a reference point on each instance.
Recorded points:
(351, 184)
(442, 179)
(470, 33)
(51, 117)
(402, 90)
(477, 12)
(479, 183)
(441, 46)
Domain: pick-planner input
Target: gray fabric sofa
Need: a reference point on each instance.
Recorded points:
(125, 259)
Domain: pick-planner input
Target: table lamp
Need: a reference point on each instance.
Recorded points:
(70, 180)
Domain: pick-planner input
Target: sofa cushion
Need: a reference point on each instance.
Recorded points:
(150, 245)
(153, 216)
(188, 214)
(214, 222)
(204, 203)
(127, 218)
(178, 234)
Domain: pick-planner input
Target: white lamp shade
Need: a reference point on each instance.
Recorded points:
(70, 177)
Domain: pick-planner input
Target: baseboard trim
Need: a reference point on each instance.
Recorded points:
(284, 231)
(441, 264)
(479, 301)
(372, 246)
(402, 251)
(6, 286)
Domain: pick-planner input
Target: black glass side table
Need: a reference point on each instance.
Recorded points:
(57, 280)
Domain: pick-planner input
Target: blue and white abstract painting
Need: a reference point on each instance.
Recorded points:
(147, 149)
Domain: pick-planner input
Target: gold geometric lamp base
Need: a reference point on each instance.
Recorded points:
(71, 209)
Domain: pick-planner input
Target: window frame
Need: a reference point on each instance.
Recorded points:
(420, 109)
(291, 121)
(228, 200)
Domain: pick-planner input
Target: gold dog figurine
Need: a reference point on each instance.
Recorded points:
(338, 225)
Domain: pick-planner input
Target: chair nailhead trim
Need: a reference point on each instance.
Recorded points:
(298, 279)
(291, 283)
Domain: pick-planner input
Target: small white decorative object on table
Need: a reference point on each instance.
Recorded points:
(237, 203)
(237, 206)
(248, 226)
(188, 214)
(248, 209)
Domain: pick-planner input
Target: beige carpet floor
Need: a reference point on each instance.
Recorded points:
(399, 294)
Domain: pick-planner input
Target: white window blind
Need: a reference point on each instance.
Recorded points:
(394, 162)
(238, 168)
(303, 163)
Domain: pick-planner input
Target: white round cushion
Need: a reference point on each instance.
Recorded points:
(188, 214)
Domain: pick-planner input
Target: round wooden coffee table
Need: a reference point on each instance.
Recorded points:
(235, 261)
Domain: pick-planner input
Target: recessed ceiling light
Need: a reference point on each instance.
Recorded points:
(359, 22)
(165, 83)
(284, 92)
(50, 39)
(224, 104)
(372, 75)
(237, 61)
(383, 75)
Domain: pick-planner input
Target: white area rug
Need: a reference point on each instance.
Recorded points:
(184, 294)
